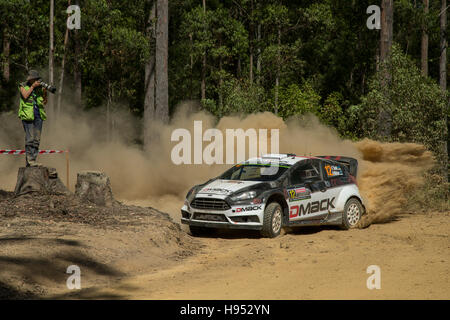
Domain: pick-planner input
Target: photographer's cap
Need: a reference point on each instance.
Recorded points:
(33, 74)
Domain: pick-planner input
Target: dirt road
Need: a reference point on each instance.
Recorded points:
(139, 253)
(413, 253)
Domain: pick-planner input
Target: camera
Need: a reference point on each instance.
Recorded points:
(50, 88)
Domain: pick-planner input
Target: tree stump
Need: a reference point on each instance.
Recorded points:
(39, 179)
(95, 187)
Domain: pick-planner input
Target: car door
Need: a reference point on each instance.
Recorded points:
(306, 192)
(335, 178)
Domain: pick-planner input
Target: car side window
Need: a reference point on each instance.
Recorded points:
(285, 182)
(332, 170)
(305, 173)
(236, 174)
(295, 176)
(317, 164)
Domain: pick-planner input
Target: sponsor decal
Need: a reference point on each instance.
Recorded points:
(297, 194)
(311, 207)
(209, 217)
(246, 209)
(333, 171)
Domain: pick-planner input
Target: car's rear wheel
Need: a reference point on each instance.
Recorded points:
(352, 213)
(197, 231)
(273, 220)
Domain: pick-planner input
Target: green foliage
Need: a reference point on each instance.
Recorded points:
(434, 195)
(409, 21)
(114, 52)
(195, 27)
(242, 97)
(295, 100)
(331, 112)
(238, 97)
(353, 128)
(324, 41)
(416, 103)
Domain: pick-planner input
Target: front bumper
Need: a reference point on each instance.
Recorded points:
(237, 217)
(220, 225)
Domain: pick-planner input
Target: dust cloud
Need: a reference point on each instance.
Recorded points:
(147, 176)
(391, 173)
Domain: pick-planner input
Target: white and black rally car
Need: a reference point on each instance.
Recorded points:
(274, 191)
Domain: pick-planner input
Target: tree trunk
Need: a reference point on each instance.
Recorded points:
(161, 60)
(443, 47)
(238, 68)
(424, 50)
(277, 78)
(149, 100)
(77, 67)
(258, 59)
(50, 57)
(377, 60)
(443, 84)
(251, 35)
(95, 187)
(108, 112)
(387, 23)
(191, 77)
(251, 66)
(6, 52)
(61, 78)
(27, 42)
(220, 85)
(41, 180)
(203, 85)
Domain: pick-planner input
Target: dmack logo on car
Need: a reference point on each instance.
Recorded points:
(311, 207)
(251, 208)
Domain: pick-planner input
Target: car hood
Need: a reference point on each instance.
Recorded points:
(225, 187)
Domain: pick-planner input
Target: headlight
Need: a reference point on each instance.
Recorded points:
(191, 193)
(244, 196)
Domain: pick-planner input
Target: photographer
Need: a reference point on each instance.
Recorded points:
(33, 97)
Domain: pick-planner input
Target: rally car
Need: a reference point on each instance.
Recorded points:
(274, 191)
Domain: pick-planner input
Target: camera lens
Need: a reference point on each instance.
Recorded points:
(50, 88)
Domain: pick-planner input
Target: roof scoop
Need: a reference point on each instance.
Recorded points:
(277, 156)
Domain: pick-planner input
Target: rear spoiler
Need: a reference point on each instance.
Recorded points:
(350, 163)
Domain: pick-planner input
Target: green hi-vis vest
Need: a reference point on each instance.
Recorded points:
(26, 111)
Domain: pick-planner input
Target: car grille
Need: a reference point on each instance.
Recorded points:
(209, 217)
(210, 204)
(245, 219)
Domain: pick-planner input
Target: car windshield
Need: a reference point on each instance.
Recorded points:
(254, 172)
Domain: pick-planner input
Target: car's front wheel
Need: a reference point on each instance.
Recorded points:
(273, 220)
(352, 213)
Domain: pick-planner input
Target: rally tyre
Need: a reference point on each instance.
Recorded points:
(273, 220)
(197, 231)
(352, 213)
